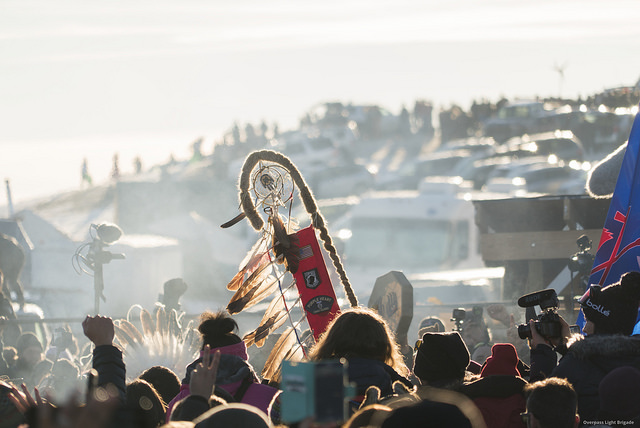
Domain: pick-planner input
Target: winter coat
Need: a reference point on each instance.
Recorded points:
(236, 376)
(366, 372)
(500, 399)
(107, 360)
(586, 362)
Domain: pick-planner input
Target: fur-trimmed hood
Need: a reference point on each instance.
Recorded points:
(601, 180)
(588, 360)
(605, 346)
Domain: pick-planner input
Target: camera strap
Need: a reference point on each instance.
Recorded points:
(561, 349)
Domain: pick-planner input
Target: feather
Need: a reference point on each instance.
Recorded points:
(132, 331)
(263, 331)
(162, 323)
(233, 221)
(285, 246)
(174, 324)
(294, 354)
(236, 281)
(148, 326)
(168, 346)
(270, 322)
(253, 291)
(255, 259)
(280, 349)
(123, 337)
(192, 339)
(292, 225)
(273, 318)
(280, 234)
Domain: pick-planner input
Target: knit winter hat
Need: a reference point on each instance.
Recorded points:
(503, 361)
(601, 180)
(432, 321)
(619, 393)
(614, 308)
(441, 356)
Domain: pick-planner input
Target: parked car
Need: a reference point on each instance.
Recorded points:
(408, 177)
(519, 118)
(477, 146)
(481, 170)
(564, 145)
(341, 180)
(535, 175)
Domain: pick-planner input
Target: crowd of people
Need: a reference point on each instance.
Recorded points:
(455, 378)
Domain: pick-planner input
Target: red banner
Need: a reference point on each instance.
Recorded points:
(314, 285)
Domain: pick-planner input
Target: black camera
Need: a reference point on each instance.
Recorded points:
(582, 261)
(458, 317)
(547, 323)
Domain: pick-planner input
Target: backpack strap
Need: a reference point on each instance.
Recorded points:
(242, 389)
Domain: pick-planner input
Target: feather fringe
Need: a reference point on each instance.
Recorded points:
(148, 326)
(256, 259)
(285, 246)
(273, 318)
(254, 291)
(162, 343)
(280, 349)
(294, 354)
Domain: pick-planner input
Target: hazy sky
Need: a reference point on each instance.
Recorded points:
(79, 73)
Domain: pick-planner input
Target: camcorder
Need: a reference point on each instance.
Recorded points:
(315, 389)
(547, 323)
(459, 317)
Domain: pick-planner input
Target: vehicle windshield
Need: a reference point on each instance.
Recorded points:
(518, 111)
(403, 244)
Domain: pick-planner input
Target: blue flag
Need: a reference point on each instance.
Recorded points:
(619, 248)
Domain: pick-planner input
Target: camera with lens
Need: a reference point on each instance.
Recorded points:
(582, 261)
(547, 323)
(461, 317)
(458, 316)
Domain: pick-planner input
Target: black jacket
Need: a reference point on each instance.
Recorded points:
(107, 360)
(366, 372)
(586, 362)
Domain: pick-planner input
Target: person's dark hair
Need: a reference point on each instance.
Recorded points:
(177, 413)
(234, 415)
(217, 329)
(176, 410)
(145, 404)
(178, 424)
(360, 332)
(164, 380)
(371, 415)
(27, 340)
(553, 402)
(10, 334)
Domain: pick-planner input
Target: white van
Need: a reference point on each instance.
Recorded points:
(415, 232)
